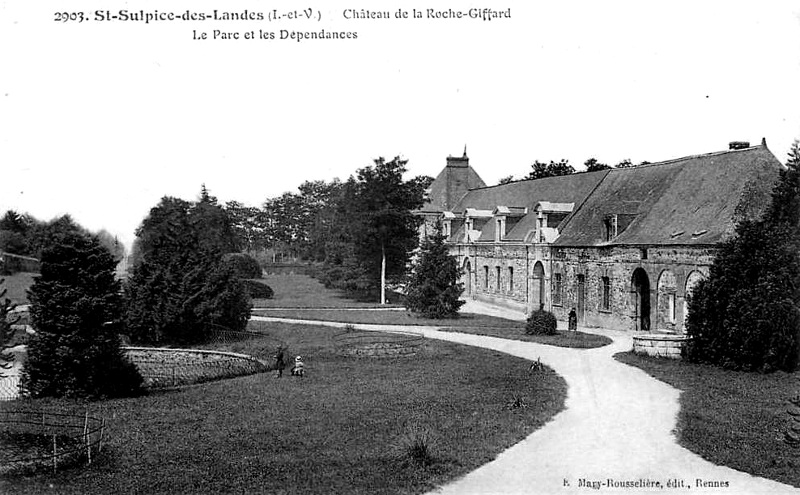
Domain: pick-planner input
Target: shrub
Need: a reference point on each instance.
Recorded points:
(416, 446)
(541, 322)
(244, 265)
(257, 289)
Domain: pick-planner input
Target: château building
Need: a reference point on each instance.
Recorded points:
(623, 247)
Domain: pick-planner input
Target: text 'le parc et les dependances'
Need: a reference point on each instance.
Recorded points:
(293, 24)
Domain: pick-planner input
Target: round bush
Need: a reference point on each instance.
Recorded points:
(541, 322)
(244, 265)
(257, 289)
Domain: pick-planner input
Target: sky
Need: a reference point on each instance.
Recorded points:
(101, 119)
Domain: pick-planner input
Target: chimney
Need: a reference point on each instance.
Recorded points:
(458, 161)
(738, 145)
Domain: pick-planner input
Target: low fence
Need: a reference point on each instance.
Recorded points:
(163, 367)
(35, 440)
(9, 387)
(13, 263)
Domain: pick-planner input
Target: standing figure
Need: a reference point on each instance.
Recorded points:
(280, 361)
(573, 320)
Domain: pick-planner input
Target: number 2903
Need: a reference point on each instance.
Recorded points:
(69, 17)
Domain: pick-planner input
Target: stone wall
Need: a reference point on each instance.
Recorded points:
(664, 276)
(659, 345)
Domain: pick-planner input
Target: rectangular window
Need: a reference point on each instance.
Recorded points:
(497, 282)
(557, 289)
(486, 278)
(606, 299)
(510, 279)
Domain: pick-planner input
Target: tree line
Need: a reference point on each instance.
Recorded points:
(540, 170)
(26, 235)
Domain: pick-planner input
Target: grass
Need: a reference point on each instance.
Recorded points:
(302, 291)
(736, 419)
(390, 425)
(17, 285)
(466, 323)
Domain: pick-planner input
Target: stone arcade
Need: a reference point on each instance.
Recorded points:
(624, 247)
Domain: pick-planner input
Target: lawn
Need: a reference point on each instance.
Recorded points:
(465, 323)
(17, 285)
(302, 291)
(344, 428)
(732, 418)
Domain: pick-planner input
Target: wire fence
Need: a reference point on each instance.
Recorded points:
(9, 387)
(36, 440)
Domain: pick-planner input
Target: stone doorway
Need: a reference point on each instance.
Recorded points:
(640, 299)
(467, 278)
(538, 286)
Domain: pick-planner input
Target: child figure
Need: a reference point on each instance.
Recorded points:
(280, 362)
(299, 368)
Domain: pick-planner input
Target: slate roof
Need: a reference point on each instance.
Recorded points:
(525, 194)
(437, 195)
(671, 201)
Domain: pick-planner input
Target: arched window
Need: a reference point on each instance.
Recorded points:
(666, 316)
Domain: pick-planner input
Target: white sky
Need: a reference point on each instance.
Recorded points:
(100, 120)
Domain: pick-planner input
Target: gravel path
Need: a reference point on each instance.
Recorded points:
(615, 434)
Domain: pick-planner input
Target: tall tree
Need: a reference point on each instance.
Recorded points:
(552, 169)
(211, 224)
(592, 165)
(180, 289)
(246, 224)
(746, 314)
(386, 229)
(76, 311)
(626, 163)
(434, 288)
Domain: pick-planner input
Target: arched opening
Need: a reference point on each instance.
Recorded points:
(666, 302)
(640, 300)
(692, 280)
(467, 278)
(538, 285)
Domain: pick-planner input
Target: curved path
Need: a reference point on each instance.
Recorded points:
(617, 426)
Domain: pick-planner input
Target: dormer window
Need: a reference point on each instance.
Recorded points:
(548, 220)
(698, 233)
(612, 226)
(500, 229)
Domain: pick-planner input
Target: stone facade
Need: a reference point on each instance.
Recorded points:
(597, 282)
(623, 247)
